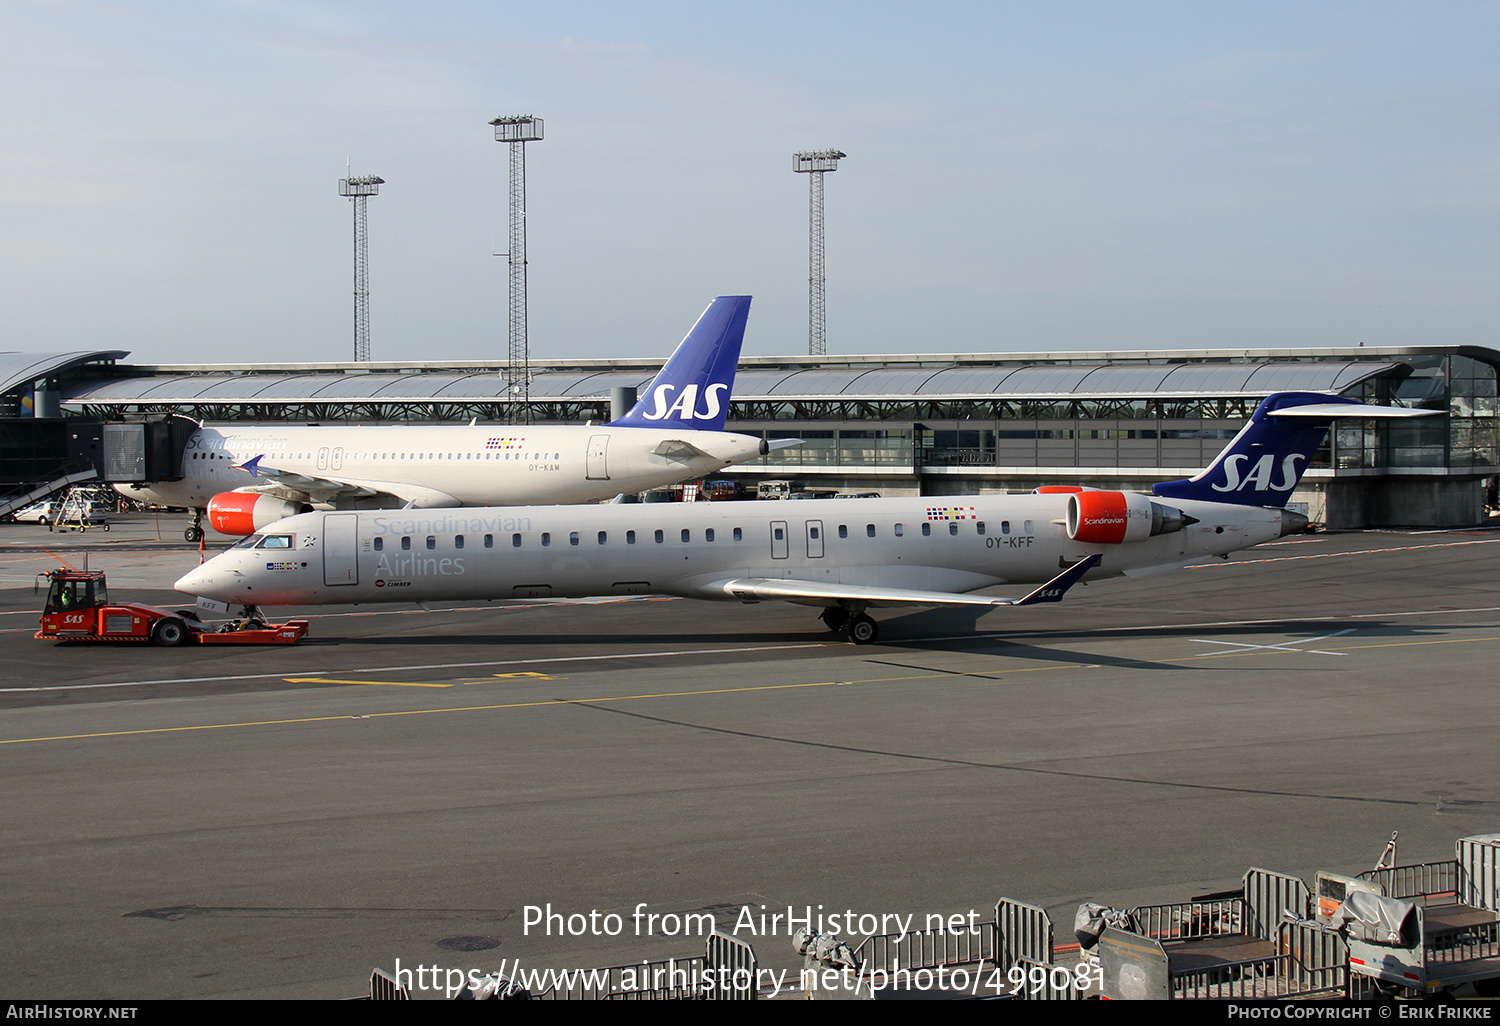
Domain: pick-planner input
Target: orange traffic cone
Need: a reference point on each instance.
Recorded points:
(202, 548)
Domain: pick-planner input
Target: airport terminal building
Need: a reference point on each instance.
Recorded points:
(946, 424)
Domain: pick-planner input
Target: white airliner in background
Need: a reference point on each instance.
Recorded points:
(843, 555)
(248, 477)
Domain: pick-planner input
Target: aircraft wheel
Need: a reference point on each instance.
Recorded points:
(169, 632)
(836, 617)
(193, 534)
(862, 630)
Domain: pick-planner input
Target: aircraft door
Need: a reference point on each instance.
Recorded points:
(340, 548)
(338, 458)
(815, 539)
(598, 470)
(778, 539)
(323, 458)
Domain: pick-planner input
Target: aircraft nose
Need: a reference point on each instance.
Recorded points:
(193, 582)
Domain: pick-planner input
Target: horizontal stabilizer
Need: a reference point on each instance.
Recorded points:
(677, 449)
(1323, 411)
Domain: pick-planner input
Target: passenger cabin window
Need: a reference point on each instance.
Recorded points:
(546, 538)
(458, 541)
(603, 537)
(843, 531)
(515, 541)
(953, 527)
(708, 534)
(1029, 528)
(926, 530)
(489, 541)
(660, 537)
(739, 535)
(405, 542)
(979, 526)
(572, 537)
(431, 542)
(379, 544)
(900, 530)
(1005, 527)
(629, 537)
(686, 535)
(870, 530)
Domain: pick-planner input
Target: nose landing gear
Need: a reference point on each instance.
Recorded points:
(194, 530)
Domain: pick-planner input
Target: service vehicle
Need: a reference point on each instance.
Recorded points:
(1424, 929)
(37, 513)
(78, 609)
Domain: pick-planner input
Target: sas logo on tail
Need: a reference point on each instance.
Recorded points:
(1260, 474)
(685, 407)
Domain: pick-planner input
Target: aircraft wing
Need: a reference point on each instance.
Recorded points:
(752, 589)
(308, 488)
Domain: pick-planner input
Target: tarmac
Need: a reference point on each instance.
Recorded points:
(422, 786)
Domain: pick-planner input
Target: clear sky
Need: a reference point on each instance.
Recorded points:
(1021, 176)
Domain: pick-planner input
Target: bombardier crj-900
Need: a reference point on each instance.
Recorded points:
(248, 477)
(845, 556)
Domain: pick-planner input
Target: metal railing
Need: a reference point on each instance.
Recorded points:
(1419, 880)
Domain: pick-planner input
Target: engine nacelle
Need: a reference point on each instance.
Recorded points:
(248, 512)
(1113, 518)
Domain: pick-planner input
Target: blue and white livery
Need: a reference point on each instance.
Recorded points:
(247, 477)
(845, 556)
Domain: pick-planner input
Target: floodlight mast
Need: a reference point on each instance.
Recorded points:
(518, 130)
(359, 190)
(814, 164)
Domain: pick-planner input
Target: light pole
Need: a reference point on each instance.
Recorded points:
(813, 165)
(518, 130)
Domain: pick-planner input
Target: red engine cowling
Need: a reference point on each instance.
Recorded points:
(248, 512)
(1113, 518)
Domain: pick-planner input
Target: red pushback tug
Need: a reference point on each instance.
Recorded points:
(78, 609)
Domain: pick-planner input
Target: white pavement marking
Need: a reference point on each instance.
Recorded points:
(1287, 646)
(1335, 555)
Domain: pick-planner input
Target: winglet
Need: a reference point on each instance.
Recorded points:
(252, 465)
(692, 390)
(1054, 589)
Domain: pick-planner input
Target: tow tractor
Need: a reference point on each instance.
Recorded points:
(78, 609)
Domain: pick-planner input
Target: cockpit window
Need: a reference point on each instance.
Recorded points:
(275, 541)
(248, 542)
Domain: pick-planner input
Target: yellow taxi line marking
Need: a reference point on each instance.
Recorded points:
(625, 698)
(491, 708)
(384, 683)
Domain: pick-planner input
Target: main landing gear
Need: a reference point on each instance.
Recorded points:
(194, 530)
(856, 626)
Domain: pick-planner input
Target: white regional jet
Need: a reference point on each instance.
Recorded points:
(846, 556)
(248, 477)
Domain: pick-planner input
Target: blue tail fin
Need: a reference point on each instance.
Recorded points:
(1264, 462)
(693, 389)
